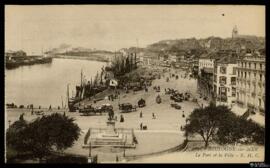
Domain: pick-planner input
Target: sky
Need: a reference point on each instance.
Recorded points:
(34, 28)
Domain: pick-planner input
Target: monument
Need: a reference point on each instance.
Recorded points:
(110, 136)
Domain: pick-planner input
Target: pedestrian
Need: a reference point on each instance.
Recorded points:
(141, 115)
(117, 158)
(181, 128)
(183, 115)
(50, 107)
(141, 126)
(154, 116)
(39, 107)
(122, 118)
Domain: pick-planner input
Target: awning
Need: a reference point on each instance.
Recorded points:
(208, 70)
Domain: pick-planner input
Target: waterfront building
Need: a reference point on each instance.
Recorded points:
(206, 61)
(251, 82)
(224, 83)
(205, 75)
(205, 83)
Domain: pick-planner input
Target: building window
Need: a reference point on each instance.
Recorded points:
(223, 70)
(242, 74)
(245, 74)
(234, 92)
(222, 80)
(245, 64)
(260, 66)
(242, 65)
(254, 65)
(233, 80)
(260, 102)
(260, 77)
(249, 65)
(234, 70)
(254, 75)
(249, 75)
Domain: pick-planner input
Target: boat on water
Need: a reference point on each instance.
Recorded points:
(78, 96)
(28, 60)
(11, 64)
(73, 100)
(84, 90)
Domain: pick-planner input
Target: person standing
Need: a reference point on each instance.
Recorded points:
(153, 116)
(141, 115)
(141, 126)
(122, 118)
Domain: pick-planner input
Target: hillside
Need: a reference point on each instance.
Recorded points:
(191, 46)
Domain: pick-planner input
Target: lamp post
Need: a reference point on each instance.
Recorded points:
(187, 122)
(124, 154)
(90, 149)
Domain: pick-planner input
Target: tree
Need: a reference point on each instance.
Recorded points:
(15, 135)
(220, 124)
(235, 129)
(44, 135)
(205, 121)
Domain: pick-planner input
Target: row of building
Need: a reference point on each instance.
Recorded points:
(230, 79)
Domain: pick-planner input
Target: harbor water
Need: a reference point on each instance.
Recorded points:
(46, 84)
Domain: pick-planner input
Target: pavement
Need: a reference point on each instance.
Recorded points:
(162, 133)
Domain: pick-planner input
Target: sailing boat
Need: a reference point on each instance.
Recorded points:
(78, 96)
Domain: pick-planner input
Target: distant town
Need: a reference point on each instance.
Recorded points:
(171, 98)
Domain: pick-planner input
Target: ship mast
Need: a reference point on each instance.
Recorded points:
(67, 93)
(81, 77)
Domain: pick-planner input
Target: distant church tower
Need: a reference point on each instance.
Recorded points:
(234, 32)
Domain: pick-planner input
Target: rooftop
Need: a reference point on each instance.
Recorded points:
(208, 56)
(228, 60)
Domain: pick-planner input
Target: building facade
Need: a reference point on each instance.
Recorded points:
(206, 62)
(205, 83)
(251, 82)
(205, 76)
(224, 83)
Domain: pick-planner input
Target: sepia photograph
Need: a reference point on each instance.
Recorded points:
(94, 84)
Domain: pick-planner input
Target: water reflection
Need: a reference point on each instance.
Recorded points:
(45, 84)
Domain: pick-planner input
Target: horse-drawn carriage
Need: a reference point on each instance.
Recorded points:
(156, 88)
(176, 106)
(127, 107)
(158, 99)
(89, 110)
(141, 103)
